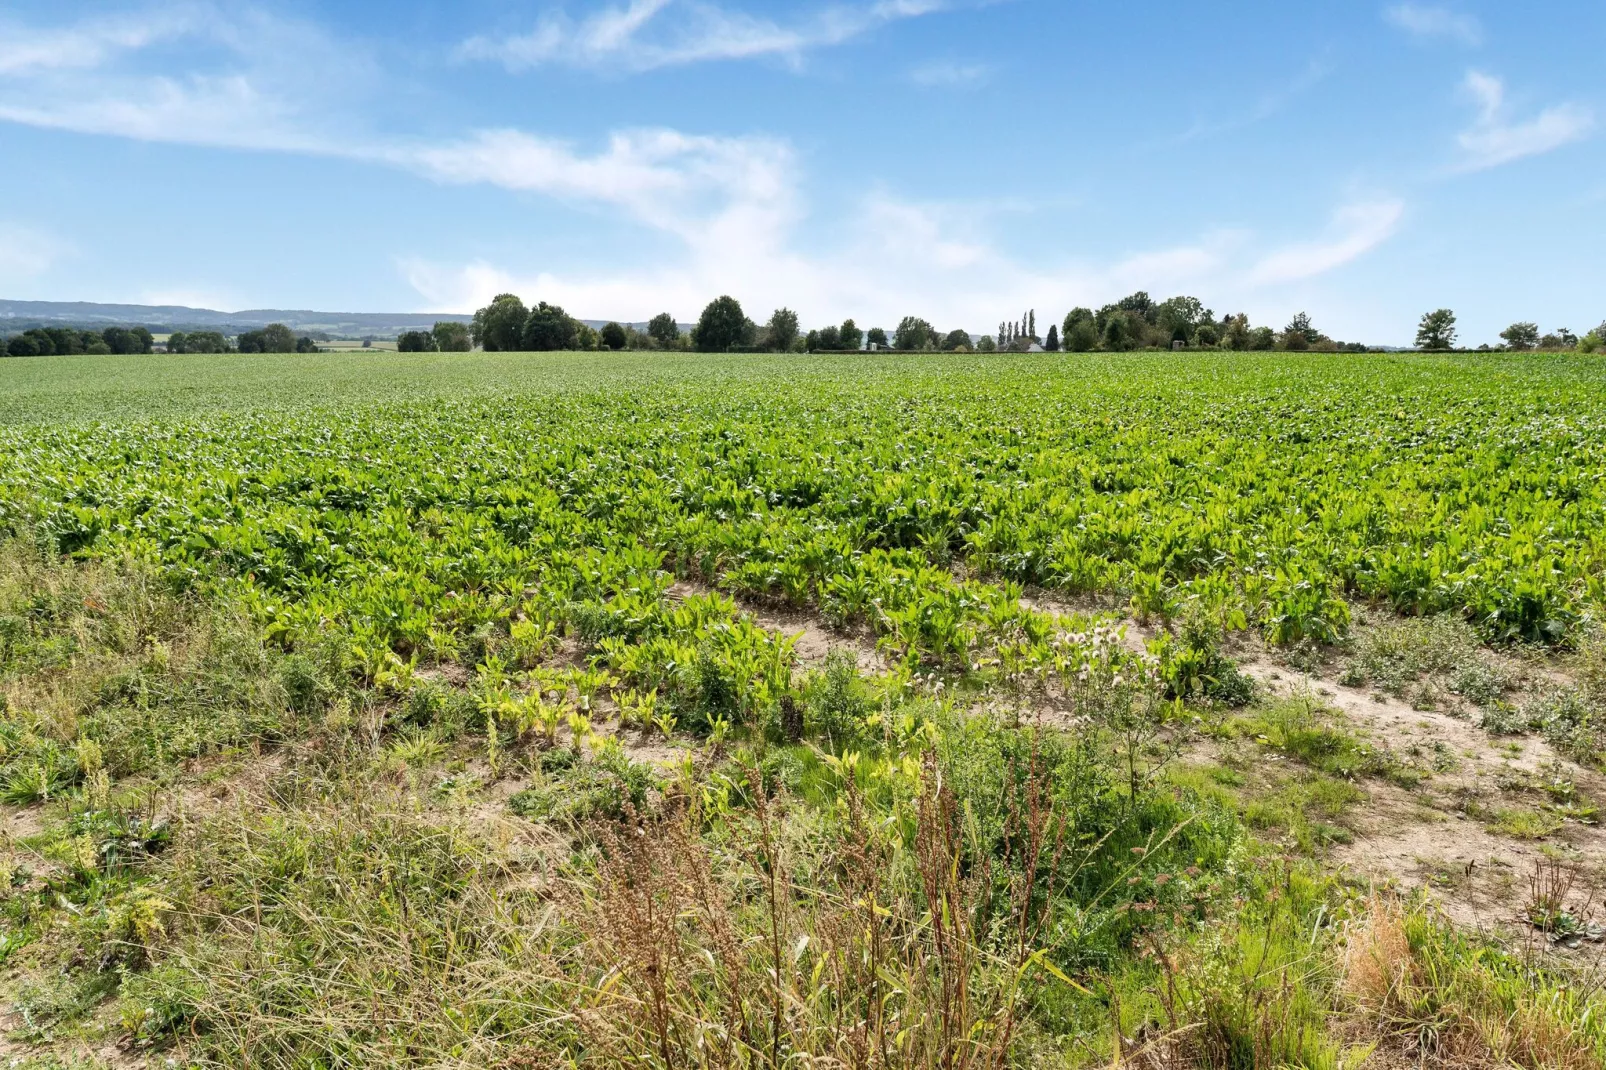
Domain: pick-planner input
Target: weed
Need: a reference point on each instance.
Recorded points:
(1552, 908)
(1302, 730)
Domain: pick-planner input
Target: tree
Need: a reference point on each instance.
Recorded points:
(499, 326)
(67, 342)
(782, 330)
(876, 337)
(1031, 324)
(1437, 330)
(1237, 334)
(829, 339)
(1179, 317)
(1207, 335)
(850, 335)
(1293, 341)
(274, 338)
(912, 333)
(955, 339)
(22, 346)
(722, 325)
(1053, 342)
(1262, 338)
(1300, 324)
(986, 344)
(305, 344)
(277, 338)
(452, 337)
(415, 342)
(1082, 337)
(548, 328)
(1117, 333)
(664, 330)
(175, 342)
(142, 339)
(586, 338)
(812, 342)
(197, 342)
(612, 336)
(1140, 302)
(1521, 336)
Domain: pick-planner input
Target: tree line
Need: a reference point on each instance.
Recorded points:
(69, 341)
(507, 325)
(1140, 322)
(444, 337)
(1135, 322)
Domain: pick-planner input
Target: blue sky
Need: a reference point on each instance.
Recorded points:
(961, 160)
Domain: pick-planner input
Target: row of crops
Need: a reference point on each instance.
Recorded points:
(916, 499)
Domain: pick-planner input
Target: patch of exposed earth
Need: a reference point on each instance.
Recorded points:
(814, 641)
(1492, 816)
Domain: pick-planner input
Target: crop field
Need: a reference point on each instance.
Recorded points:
(904, 498)
(673, 710)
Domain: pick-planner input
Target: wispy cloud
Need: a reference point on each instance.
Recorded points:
(25, 50)
(1270, 103)
(700, 189)
(648, 34)
(1494, 139)
(1356, 230)
(236, 91)
(939, 74)
(1432, 21)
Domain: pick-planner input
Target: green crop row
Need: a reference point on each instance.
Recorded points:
(915, 499)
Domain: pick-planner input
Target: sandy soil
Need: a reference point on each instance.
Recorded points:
(1442, 835)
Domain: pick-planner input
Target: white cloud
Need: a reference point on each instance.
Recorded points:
(1357, 229)
(1431, 21)
(690, 186)
(86, 78)
(731, 209)
(24, 50)
(905, 258)
(1493, 139)
(947, 73)
(28, 252)
(647, 34)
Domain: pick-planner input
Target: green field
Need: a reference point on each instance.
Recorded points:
(519, 769)
(1274, 486)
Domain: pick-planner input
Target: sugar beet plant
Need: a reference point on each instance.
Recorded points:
(914, 501)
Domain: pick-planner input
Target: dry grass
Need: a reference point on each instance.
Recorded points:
(1447, 1000)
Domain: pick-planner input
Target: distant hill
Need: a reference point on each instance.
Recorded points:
(20, 315)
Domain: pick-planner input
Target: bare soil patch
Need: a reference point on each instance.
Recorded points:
(815, 639)
(1473, 834)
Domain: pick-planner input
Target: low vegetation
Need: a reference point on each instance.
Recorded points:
(460, 733)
